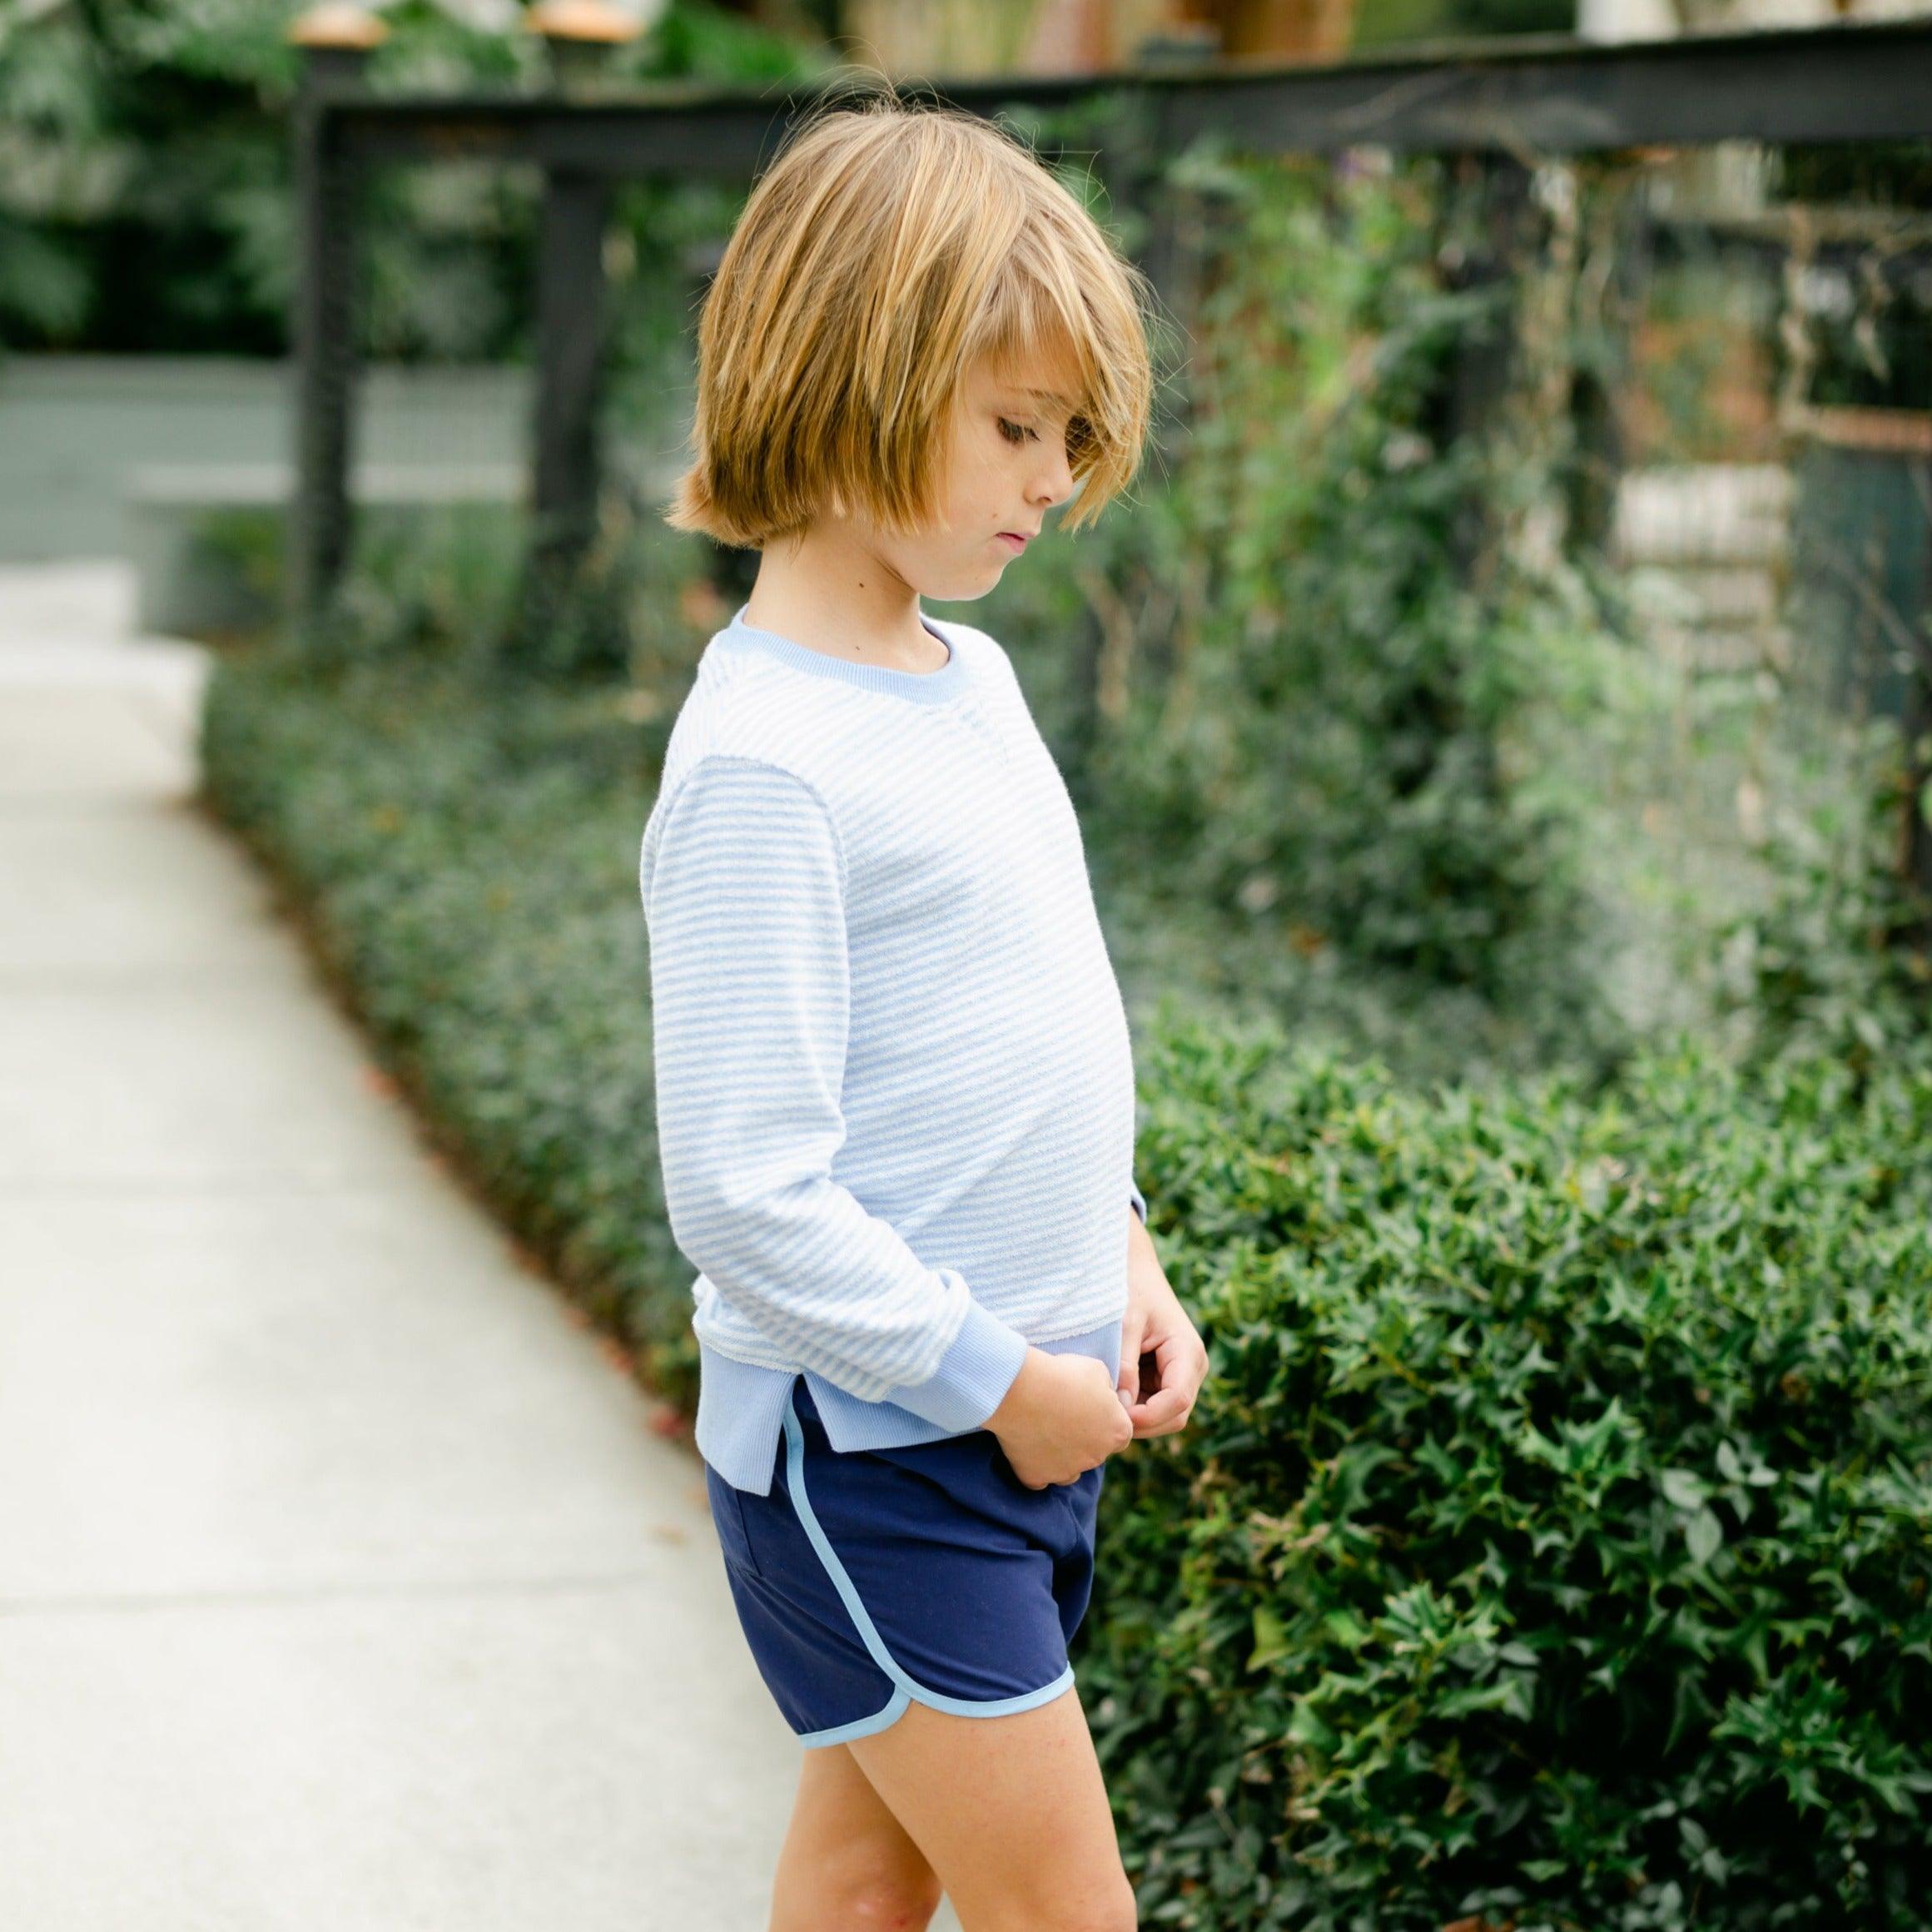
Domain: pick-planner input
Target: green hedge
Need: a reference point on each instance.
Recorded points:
(1552, 1542)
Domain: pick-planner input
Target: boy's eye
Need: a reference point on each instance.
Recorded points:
(1019, 432)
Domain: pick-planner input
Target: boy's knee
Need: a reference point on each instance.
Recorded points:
(894, 1903)
(861, 1898)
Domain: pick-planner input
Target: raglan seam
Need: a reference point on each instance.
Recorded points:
(704, 758)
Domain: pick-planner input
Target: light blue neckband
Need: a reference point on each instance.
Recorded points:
(922, 687)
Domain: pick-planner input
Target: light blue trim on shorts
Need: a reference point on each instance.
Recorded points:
(907, 1689)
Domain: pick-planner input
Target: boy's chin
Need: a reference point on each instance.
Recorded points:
(984, 581)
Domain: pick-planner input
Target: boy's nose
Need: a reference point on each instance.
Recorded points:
(1055, 483)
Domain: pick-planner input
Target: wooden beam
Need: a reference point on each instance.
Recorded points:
(1535, 95)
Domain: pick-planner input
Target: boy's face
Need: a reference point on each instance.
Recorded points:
(1003, 467)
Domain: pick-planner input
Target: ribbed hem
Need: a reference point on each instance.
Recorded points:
(741, 1413)
(741, 1408)
(921, 687)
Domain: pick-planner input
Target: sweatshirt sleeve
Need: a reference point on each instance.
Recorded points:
(1137, 1200)
(744, 900)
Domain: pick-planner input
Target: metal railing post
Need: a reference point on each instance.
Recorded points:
(571, 305)
(336, 39)
(570, 355)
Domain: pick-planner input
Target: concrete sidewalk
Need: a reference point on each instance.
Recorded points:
(344, 1582)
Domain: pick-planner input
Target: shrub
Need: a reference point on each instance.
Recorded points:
(1552, 1542)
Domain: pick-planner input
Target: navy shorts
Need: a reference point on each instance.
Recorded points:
(868, 1579)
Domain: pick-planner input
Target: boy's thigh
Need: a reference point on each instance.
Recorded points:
(1011, 1813)
(844, 1838)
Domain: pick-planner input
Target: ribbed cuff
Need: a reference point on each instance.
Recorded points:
(1137, 1200)
(981, 1364)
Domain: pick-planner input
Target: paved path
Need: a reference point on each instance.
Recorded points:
(344, 1582)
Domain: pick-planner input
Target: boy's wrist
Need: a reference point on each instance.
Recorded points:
(980, 1366)
(1003, 1410)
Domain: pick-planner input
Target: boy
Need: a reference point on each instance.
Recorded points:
(895, 1084)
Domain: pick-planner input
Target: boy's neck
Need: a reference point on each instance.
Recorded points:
(828, 592)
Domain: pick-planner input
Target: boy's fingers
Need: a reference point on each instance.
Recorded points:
(1164, 1405)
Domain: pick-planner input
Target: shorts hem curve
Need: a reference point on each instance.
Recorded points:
(995, 1707)
(908, 1687)
(886, 1716)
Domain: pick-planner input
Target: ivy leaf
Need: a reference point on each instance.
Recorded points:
(1683, 1488)
(1270, 1638)
(1704, 1535)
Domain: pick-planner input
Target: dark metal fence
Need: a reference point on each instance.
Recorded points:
(1509, 103)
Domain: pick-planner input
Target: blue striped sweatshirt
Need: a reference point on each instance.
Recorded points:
(894, 1080)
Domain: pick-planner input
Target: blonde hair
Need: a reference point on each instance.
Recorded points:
(885, 251)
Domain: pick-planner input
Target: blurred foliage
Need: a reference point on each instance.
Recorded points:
(1388, 24)
(145, 173)
(1836, 958)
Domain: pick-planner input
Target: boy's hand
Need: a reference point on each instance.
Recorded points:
(1061, 1418)
(1157, 1337)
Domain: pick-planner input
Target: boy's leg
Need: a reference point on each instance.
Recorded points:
(1011, 1813)
(848, 1865)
